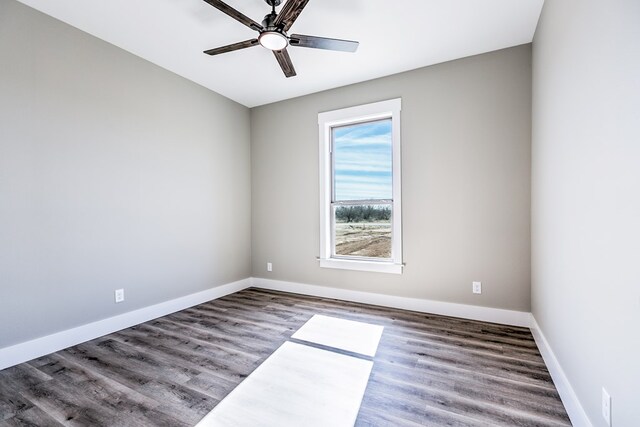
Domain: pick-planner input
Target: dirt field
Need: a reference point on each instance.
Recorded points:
(372, 239)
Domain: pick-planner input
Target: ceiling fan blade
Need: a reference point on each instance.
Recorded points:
(285, 62)
(300, 40)
(232, 47)
(289, 13)
(225, 8)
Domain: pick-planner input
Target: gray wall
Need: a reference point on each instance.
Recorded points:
(114, 173)
(586, 198)
(465, 190)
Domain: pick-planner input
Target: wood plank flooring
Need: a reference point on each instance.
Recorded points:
(429, 370)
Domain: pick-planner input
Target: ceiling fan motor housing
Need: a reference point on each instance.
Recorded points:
(269, 22)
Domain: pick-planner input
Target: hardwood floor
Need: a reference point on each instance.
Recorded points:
(429, 370)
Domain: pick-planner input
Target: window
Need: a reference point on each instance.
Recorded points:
(360, 210)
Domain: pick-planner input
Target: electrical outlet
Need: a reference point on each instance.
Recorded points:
(119, 295)
(477, 287)
(269, 266)
(606, 406)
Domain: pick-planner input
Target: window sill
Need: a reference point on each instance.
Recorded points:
(349, 264)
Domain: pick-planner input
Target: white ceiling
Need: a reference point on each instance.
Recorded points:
(394, 36)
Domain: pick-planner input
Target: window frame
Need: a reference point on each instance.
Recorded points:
(389, 109)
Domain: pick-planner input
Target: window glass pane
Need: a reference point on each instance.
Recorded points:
(363, 230)
(362, 168)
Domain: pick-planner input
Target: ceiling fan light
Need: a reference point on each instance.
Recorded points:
(273, 40)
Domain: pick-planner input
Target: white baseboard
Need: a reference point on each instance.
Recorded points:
(486, 314)
(569, 398)
(23, 352)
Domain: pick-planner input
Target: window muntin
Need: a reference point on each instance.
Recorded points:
(360, 206)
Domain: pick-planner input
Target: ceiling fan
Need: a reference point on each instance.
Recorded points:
(273, 33)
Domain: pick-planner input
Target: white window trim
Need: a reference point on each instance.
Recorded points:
(362, 113)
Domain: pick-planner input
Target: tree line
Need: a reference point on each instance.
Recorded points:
(363, 213)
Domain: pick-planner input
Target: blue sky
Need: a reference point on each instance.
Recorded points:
(362, 156)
